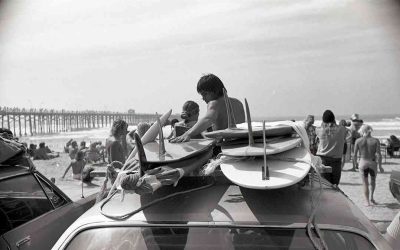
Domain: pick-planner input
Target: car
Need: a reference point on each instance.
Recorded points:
(394, 184)
(34, 212)
(213, 213)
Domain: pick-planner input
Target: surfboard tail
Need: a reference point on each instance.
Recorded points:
(141, 154)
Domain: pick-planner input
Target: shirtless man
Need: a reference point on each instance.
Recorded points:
(369, 148)
(210, 87)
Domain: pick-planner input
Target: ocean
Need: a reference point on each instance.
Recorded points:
(383, 126)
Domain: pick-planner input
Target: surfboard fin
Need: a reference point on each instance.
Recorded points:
(249, 127)
(141, 154)
(231, 117)
(161, 148)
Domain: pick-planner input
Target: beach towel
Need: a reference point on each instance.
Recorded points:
(152, 180)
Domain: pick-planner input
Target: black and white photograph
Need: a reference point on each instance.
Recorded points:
(225, 124)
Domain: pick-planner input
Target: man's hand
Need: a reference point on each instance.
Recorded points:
(381, 169)
(183, 138)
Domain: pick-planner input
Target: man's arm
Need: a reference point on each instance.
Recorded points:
(201, 125)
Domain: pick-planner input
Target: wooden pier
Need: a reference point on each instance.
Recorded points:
(24, 122)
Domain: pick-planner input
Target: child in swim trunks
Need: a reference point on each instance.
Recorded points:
(369, 148)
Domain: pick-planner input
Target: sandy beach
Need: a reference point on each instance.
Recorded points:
(381, 214)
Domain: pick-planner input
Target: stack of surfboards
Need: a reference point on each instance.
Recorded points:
(262, 156)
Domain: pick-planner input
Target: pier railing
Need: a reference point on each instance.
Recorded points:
(25, 122)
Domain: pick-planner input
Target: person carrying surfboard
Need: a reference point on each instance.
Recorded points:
(211, 88)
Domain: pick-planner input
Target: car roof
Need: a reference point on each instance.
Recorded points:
(230, 203)
(227, 204)
(7, 171)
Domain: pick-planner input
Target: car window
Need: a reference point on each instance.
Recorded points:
(56, 199)
(210, 238)
(21, 200)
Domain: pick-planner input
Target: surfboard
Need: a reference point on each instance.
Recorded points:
(187, 155)
(176, 151)
(273, 146)
(285, 169)
(232, 133)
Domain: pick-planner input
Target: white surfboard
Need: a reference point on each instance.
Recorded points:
(285, 169)
(273, 146)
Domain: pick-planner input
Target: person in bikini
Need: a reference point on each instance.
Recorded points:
(211, 88)
(369, 148)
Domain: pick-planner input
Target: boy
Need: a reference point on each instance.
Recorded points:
(369, 148)
(210, 87)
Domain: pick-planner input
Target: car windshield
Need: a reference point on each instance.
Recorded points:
(210, 238)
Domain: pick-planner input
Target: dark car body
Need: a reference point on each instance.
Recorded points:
(212, 213)
(33, 211)
(394, 184)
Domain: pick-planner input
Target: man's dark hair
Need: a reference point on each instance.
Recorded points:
(42, 145)
(211, 83)
(328, 116)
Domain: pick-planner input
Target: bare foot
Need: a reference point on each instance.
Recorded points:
(367, 204)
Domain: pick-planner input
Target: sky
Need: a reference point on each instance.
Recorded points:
(287, 58)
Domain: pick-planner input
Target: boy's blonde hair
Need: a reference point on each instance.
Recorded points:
(365, 129)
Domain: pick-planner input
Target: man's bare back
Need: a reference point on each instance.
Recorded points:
(368, 147)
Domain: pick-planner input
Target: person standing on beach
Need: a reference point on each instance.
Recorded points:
(312, 135)
(211, 88)
(348, 137)
(116, 144)
(356, 124)
(330, 148)
(369, 148)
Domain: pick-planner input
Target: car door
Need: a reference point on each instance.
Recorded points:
(36, 215)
